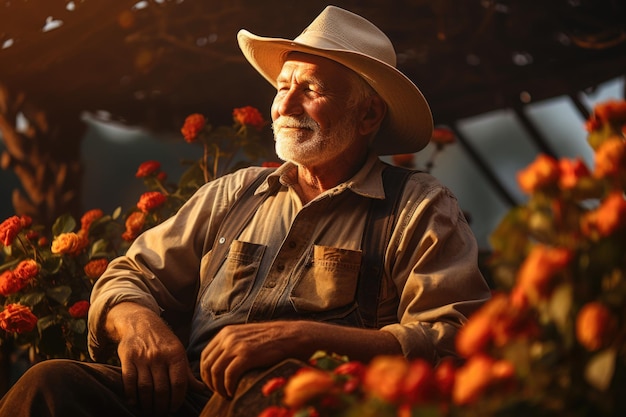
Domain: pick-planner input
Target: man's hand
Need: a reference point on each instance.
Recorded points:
(155, 370)
(239, 348)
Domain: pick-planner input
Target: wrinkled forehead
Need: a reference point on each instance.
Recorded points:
(325, 70)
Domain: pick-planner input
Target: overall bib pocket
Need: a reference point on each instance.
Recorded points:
(328, 282)
(234, 280)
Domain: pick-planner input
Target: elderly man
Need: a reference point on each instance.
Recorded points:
(285, 278)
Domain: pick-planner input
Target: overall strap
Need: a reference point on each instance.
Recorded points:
(236, 218)
(380, 221)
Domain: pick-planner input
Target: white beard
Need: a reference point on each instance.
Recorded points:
(311, 145)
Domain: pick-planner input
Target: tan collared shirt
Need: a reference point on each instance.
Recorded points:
(295, 261)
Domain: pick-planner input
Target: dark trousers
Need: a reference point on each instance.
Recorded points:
(66, 388)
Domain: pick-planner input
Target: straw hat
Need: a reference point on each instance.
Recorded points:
(356, 43)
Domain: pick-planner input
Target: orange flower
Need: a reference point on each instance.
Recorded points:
(608, 218)
(66, 243)
(79, 309)
(595, 326)
(96, 267)
(534, 277)
(249, 116)
(479, 373)
(148, 168)
(134, 225)
(9, 230)
(384, 377)
(610, 159)
(571, 172)
(89, 217)
(541, 173)
(497, 322)
(150, 201)
(305, 385)
(193, 125)
(403, 160)
(442, 136)
(16, 318)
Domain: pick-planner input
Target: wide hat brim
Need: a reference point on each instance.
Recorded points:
(408, 125)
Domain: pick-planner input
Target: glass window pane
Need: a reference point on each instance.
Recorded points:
(562, 126)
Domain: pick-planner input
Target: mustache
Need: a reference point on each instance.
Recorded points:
(294, 122)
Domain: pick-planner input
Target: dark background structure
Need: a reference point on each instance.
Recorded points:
(151, 63)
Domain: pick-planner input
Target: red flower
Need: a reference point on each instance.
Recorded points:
(272, 385)
(10, 283)
(249, 116)
(9, 230)
(276, 411)
(26, 221)
(270, 164)
(571, 171)
(96, 267)
(611, 111)
(420, 384)
(79, 309)
(16, 318)
(89, 217)
(193, 125)
(442, 136)
(403, 160)
(150, 201)
(26, 270)
(148, 168)
(134, 225)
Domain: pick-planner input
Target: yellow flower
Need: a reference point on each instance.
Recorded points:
(66, 243)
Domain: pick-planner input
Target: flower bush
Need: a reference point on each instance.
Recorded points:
(46, 276)
(552, 339)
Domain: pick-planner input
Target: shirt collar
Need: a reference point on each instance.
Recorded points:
(367, 181)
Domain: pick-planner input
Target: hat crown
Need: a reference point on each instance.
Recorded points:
(340, 29)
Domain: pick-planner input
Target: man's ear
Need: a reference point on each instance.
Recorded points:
(373, 113)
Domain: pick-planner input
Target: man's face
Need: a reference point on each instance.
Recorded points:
(314, 118)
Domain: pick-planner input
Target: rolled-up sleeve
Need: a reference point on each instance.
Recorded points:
(433, 262)
(161, 268)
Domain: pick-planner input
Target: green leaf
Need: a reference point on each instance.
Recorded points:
(600, 369)
(117, 213)
(560, 307)
(78, 326)
(60, 294)
(52, 264)
(33, 298)
(63, 224)
(99, 249)
(45, 322)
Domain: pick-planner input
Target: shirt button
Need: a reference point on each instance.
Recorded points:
(270, 284)
(280, 267)
(292, 244)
